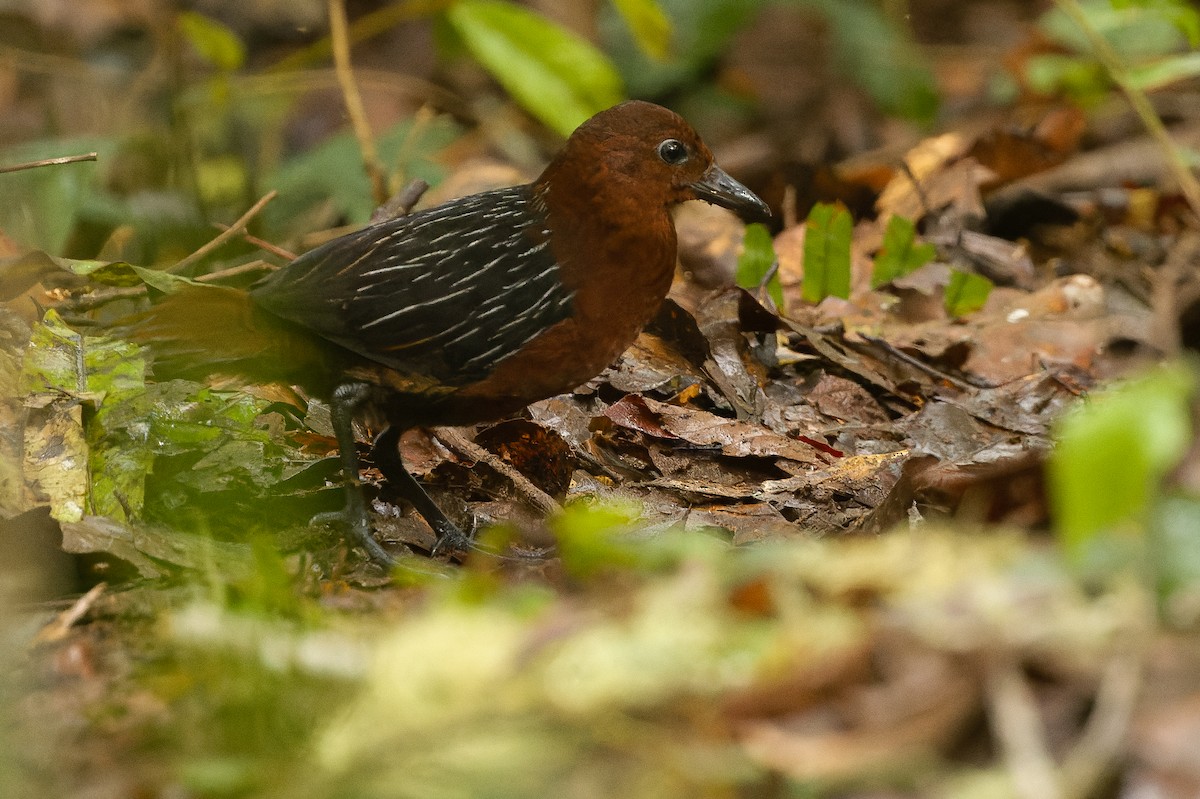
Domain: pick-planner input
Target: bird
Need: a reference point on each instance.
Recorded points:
(465, 312)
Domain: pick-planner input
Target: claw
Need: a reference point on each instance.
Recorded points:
(450, 540)
(356, 522)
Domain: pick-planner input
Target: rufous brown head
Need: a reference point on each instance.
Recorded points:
(649, 158)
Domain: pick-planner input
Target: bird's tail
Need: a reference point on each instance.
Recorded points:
(199, 331)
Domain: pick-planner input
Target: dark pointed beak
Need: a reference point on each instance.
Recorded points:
(718, 188)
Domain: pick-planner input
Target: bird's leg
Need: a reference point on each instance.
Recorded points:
(386, 455)
(346, 400)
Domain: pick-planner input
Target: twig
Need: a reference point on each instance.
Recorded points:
(920, 365)
(232, 232)
(1142, 106)
(257, 265)
(454, 438)
(65, 159)
(1014, 718)
(354, 105)
(402, 202)
(94, 299)
(57, 629)
(262, 244)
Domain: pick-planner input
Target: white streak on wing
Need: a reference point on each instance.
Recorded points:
(415, 306)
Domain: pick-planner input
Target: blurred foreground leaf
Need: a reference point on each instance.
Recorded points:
(1112, 454)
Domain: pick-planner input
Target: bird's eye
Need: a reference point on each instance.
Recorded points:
(673, 151)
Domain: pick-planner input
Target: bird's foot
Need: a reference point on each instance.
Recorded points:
(358, 526)
(450, 539)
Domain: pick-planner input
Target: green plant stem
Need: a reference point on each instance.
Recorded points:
(1142, 106)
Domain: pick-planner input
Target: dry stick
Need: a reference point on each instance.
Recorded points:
(231, 233)
(262, 244)
(1141, 103)
(401, 203)
(65, 159)
(895, 352)
(63, 622)
(354, 104)
(93, 300)
(454, 438)
(1014, 719)
(258, 265)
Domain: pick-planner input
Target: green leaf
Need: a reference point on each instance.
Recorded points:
(61, 368)
(900, 254)
(216, 43)
(62, 361)
(966, 292)
(595, 538)
(555, 75)
(1084, 80)
(827, 253)
(756, 261)
(1136, 31)
(1166, 71)
(164, 281)
(649, 25)
(1112, 453)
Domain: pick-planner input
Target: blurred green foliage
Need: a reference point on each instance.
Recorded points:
(1155, 39)
(1110, 458)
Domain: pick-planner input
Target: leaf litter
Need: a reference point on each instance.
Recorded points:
(769, 566)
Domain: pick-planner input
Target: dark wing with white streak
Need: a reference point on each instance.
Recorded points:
(446, 293)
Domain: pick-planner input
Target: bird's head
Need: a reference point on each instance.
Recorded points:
(650, 158)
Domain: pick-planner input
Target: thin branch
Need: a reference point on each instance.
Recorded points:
(63, 622)
(402, 203)
(231, 232)
(354, 105)
(66, 159)
(262, 244)
(240, 269)
(454, 438)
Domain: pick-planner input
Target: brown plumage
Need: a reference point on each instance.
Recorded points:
(471, 310)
